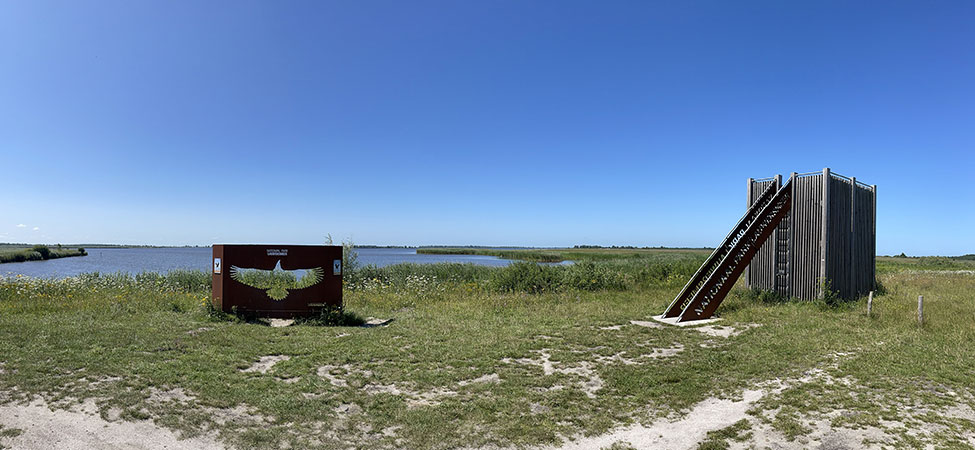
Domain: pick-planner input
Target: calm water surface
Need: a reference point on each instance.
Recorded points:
(162, 260)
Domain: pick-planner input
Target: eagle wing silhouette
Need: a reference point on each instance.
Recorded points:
(278, 281)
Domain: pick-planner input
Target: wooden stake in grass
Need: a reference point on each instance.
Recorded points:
(869, 303)
(920, 310)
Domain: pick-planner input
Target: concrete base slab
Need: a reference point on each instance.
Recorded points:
(372, 322)
(673, 321)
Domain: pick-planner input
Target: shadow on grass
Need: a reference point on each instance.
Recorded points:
(333, 317)
(328, 317)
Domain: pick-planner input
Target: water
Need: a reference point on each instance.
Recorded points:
(162, 260)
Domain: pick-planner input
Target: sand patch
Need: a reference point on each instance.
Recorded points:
(822, 436)
(266, 363)
(373, 389)
(645, 324)
(337, 375)
(489, 378)
(688, 430)
(326, 373)
(725, 331)
(348, 409)
(104, 380)
(587, 379)
(240, 415)
(413, 398)
(82, 429)
(666, 352)
(538, 408)
(612, 327)
(684, 433)
(171, 395)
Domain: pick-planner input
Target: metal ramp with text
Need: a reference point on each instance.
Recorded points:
(712, 282)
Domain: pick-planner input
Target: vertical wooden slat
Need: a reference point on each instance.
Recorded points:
(823, 246)
(855, 289)
(790, 241)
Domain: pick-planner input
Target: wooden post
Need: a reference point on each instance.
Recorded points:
(854, 289)
(791, 241)
(869, 303)
(920, 310)
(823, 244)
(774, 239)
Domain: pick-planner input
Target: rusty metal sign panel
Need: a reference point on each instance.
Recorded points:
(280, 281)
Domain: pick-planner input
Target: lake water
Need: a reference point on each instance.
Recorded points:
(162, 260)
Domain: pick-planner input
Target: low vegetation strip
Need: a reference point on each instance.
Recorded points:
(573, 254)
(524, 255)
(38, 253)
(467, 363)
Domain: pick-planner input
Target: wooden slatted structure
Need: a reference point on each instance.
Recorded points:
(826, 241)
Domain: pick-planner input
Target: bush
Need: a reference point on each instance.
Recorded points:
(43, 250)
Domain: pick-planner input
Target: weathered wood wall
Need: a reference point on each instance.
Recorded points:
(761, 272)
(805, 236)
(802, 257)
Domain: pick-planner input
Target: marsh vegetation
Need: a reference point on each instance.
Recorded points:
(11, 253)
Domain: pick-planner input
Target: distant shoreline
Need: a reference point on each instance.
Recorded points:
(37, 253)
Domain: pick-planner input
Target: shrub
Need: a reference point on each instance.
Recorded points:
(43, 250)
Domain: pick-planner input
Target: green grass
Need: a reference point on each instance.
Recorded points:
(117, 338)
(887, 264)
(37, 253)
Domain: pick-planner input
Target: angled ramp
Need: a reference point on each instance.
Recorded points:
(711, 283)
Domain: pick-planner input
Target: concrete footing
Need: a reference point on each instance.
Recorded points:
(673, 321)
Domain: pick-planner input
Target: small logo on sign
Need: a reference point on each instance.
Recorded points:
(277, 252)
(337, 267)
(216, 265)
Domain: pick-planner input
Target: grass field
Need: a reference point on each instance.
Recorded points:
(506, 357)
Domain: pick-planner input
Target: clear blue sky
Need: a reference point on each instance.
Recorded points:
(461, 122)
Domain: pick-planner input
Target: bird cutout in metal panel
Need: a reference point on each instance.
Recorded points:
(277, 282)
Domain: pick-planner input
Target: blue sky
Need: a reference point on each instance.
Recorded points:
(492, 123)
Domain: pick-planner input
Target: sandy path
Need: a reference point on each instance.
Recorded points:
(685, 433)
(83, 428)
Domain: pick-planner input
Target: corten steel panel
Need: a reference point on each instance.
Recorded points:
(228, 292)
